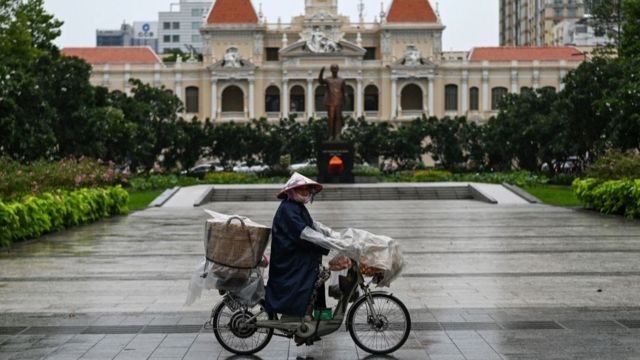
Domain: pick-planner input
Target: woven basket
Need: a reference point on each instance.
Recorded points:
(236, 245)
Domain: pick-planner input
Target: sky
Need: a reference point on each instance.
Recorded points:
(469, 22)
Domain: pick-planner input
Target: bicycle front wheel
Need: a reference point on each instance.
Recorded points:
(235, 329)
(381, 327)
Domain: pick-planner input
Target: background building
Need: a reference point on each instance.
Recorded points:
(117, 37)
(532, 22)
(179, 28)
(141, 33)
(395, 69)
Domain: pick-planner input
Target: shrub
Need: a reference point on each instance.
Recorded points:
(519, 178)
(34, 216)
(161, 182)
(620, 197)
(309, 171)
(614, 166)
(18, 180)
(366, 170)
(230, 178)
(432, 176)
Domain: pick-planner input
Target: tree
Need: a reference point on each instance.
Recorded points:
(526, 131)
(446, 145)
(405, 144)
(369, 138)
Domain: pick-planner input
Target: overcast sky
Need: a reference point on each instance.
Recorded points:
(469, 22)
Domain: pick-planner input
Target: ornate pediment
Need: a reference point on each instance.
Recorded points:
(413, 59)
(303, 48)
(232, 61)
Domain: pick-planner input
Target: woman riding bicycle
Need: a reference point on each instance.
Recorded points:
(295, 262)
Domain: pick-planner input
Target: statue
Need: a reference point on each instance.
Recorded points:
(319, 43)
(232, 58)
(412, 56)
(334, 100)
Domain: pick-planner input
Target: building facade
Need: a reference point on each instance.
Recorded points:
(395, 68)
(532, 22)
(179, 28)
(141, 33)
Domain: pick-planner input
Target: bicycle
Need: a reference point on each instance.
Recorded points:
(378, 322)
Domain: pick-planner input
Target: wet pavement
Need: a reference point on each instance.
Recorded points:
(482, 282)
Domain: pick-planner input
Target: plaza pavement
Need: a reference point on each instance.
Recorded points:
(482, 282)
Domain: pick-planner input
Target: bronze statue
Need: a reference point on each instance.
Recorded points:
(334, 100)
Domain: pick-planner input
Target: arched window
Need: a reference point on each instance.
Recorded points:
(474, 99)
(297, 99)
(193, 100)
(549, 88)
(371, 99)
(411, 98)
(497, 94)
(525, 89)
(232, 99)
(451, 97)
(349, 104)
(272, 99)
(319, 96)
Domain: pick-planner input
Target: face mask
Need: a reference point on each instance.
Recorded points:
(293, 195)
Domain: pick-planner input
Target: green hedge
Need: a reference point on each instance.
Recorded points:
(621, 197)
(34, 216)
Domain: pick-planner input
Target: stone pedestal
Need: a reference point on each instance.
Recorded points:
(335, 163)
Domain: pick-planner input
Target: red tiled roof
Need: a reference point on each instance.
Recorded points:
(411, 11)
(525, 54)
(232, 12)
(114, 55)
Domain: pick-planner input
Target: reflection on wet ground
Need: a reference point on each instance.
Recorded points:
(481, 282)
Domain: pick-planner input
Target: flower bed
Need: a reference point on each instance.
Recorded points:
(34, 216)
(17, 180)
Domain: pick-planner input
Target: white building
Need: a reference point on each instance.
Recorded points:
(577, 33)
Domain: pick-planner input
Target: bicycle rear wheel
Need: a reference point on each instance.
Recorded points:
(236, 333)
(381, 329)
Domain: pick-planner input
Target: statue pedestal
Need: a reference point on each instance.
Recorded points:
(335, 163)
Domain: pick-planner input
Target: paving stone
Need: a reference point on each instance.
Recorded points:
(512, 281)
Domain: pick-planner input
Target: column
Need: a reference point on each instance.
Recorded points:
(157, 77)
(252, 98)
(285, 98)
(106, 76)
(178, 84)
(515, 86)
(310, 98)
(486, 106)
(127, 77)
(465, 91)
(394, 99)
(536, 75)
(432, 100)
(563, 74)
(359, 99)
(214, 99)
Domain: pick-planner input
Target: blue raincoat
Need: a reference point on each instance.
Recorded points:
(294, 262)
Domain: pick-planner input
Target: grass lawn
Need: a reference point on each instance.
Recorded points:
(141, 200)
(554, 195)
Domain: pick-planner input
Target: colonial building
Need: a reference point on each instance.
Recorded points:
(395, 67)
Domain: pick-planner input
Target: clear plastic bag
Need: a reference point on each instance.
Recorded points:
(247, 286)
(372, 250)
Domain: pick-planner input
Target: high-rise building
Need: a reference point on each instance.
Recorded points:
(179, 28)
(532, 22)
